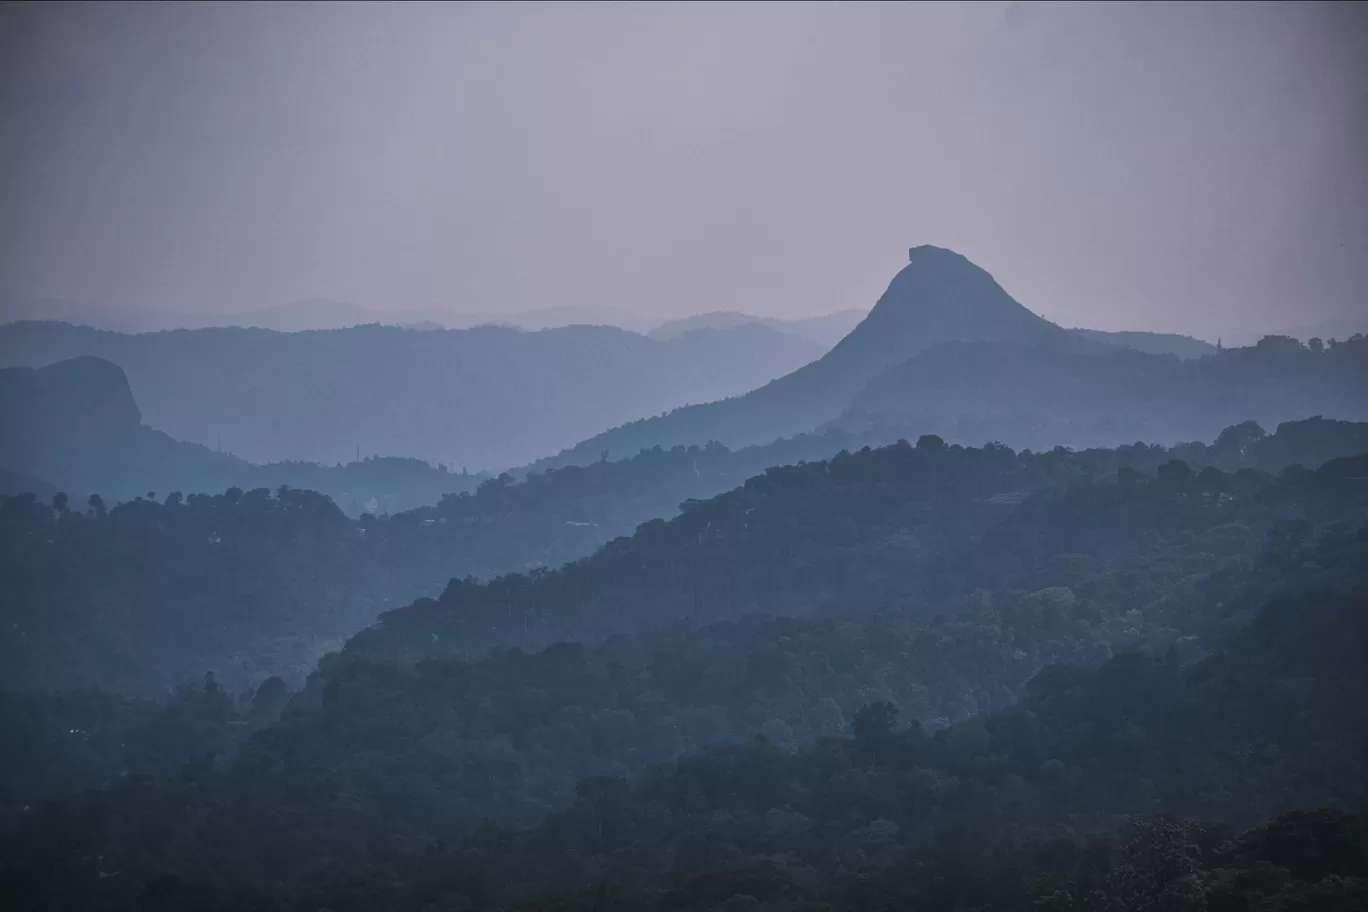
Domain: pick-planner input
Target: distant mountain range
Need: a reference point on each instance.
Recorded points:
(310, 313)
(826, 330)
(328, 313)
(484, 398)
(295, 316)
(947, 350)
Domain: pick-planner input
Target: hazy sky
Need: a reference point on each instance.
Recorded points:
(1191, 167)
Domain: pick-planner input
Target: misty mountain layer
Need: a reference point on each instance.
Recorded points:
(144, 595)
(827, 329)
(483, 398)
(1040, 398)
(74, 427)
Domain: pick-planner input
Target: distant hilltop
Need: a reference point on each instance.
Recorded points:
(938, 297)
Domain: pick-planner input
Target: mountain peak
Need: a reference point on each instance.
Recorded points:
(929, 253)
(942, 296)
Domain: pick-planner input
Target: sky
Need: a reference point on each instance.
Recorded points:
(1188, 167)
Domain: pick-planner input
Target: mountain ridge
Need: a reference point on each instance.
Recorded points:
(946, 350)
(486, 398)
(827, 329)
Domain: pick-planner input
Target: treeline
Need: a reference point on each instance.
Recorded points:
(373, 484)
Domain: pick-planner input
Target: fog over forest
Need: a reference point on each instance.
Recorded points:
(695, 457)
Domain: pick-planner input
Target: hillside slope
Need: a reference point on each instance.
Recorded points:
(1031, 397)
(900, 526)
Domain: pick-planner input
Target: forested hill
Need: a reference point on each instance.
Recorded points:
(890, 622)
(793, 763)
(248, 584)
(1027, 396)
(903, 525)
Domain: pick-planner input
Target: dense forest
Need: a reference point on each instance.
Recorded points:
(142, 596)
(902, 525)
(845, 684)
(371, 789)
(255, 582)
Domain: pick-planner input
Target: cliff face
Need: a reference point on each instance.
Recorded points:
(76, 423)
(80, 396)
(487, 398)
